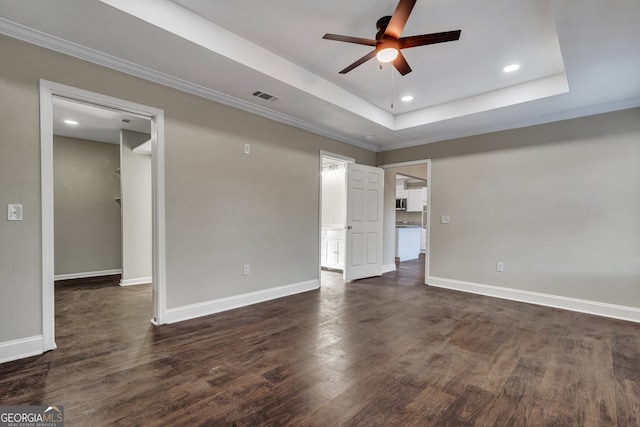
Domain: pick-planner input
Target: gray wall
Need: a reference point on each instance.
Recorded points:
(223, 208)
(86, 215)
(135, 184)
(557, 203)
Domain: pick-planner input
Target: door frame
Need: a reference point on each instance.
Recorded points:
(48, 90)
(331, 155)
(427, 258)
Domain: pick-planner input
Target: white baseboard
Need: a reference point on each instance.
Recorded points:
(388, 268)
(87, 274)
(223, 304)
(136, 281)
(573, 304)
(21, 348)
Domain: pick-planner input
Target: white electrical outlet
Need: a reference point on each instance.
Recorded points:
(14, 212)
(246, 270)
(500, 266)
(445, 219)
(247, 149)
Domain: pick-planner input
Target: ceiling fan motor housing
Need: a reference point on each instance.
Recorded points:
(381, 26)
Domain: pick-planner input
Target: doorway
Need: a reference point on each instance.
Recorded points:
(414, 176)
(97, 165)
(411, 224)
(333, 211)
(351, 217)
(50, 91)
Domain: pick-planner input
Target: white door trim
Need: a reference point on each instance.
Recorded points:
(335, 156)
(47, 90)
(427, 258)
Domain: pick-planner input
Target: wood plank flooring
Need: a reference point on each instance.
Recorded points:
(387, 351)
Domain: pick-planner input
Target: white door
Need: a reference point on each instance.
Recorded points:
(363, 257)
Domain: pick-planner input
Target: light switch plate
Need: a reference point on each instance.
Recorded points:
(247, 149)
(14, 212)
(445, 219)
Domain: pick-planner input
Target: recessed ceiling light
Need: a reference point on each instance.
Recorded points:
(71, 122)
(370, 136)
(511, 68)
(407, 98)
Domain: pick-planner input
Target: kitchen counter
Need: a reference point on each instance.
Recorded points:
(408, 242)
(407, 225)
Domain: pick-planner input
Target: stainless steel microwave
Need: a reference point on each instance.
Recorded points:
(401, 204)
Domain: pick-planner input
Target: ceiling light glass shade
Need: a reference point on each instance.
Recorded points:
(387, 54)
(511, 68)
(407, 98)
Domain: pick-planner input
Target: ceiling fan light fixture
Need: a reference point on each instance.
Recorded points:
(389, 43)
(387, 54)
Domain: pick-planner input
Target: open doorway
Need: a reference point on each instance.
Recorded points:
(411, 221)
(56, 102)
(333, 215)
(407, 214)
(351, 217)
(99, 161)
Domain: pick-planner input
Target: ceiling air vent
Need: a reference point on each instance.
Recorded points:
(264, 95)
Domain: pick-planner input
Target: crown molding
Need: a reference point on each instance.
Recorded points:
(57, 44)
(573, 113)
(51, 42)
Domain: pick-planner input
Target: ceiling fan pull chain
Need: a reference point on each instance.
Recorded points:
(391, 68)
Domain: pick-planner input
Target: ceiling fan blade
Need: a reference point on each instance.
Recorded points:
(401, 64)
(359, 62)
(349, 39)
(414, 41)
(399, 18)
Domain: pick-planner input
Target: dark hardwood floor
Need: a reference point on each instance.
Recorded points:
(387, 351)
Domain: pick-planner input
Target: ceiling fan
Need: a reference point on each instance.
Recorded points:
(388, 43)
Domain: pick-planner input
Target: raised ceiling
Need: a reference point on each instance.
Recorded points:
(576, 58)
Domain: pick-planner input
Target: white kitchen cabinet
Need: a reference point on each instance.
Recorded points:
(401, 189)
(415, 201)
(332, 248)
(402, 194)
